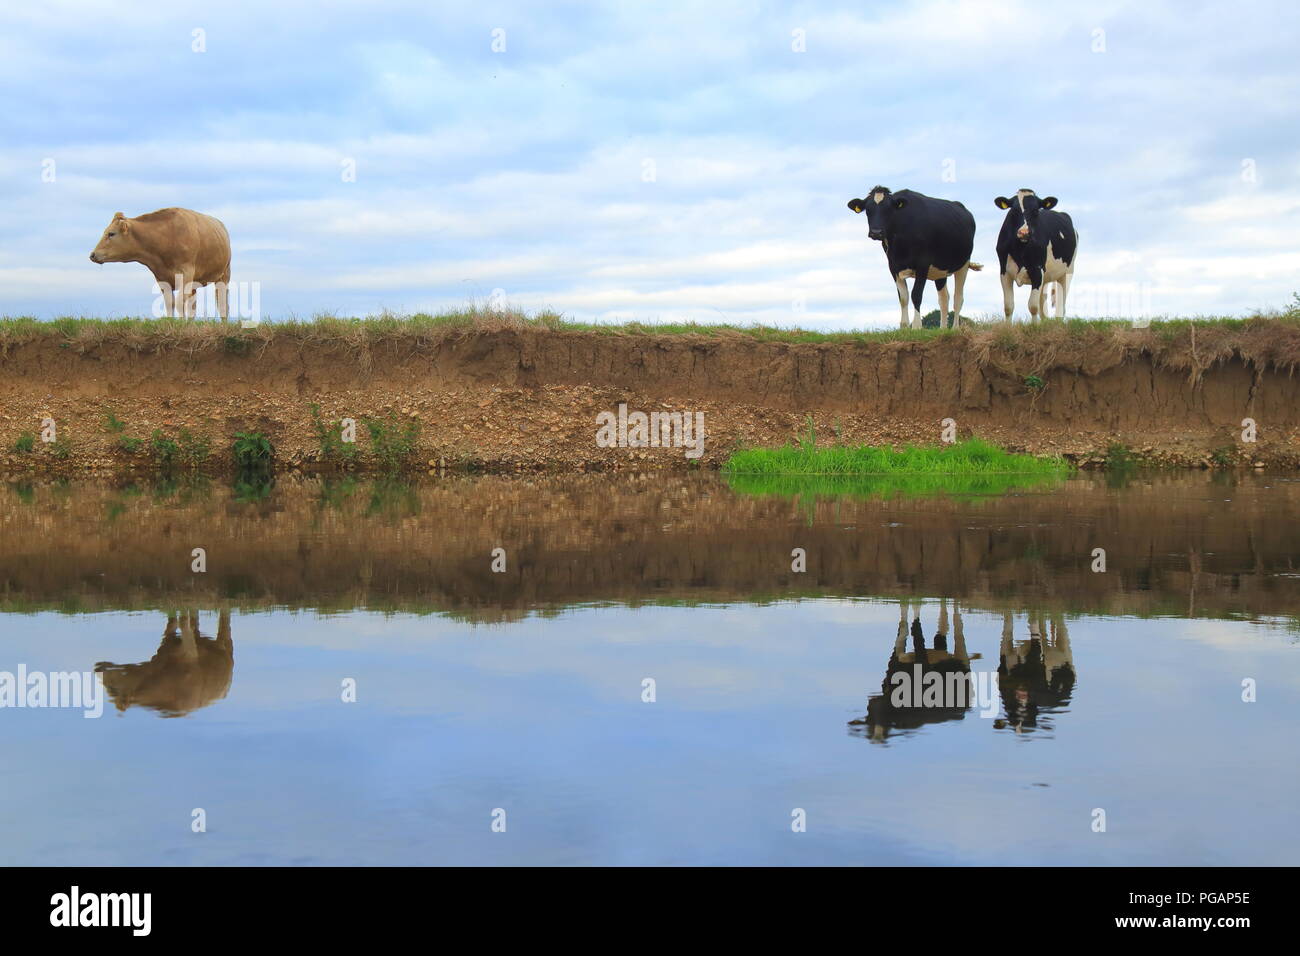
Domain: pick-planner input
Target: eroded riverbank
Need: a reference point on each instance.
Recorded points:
(520, 396)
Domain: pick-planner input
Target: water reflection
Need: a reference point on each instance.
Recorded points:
(922, 686)
(932, 685)
(187, 672)
(1035, 676)
(609, 580)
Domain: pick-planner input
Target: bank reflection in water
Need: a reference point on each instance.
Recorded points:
(187, 672)
(935, 684)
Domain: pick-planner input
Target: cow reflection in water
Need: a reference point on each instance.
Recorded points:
(187, 672)
(1035, 677)
(923, 686)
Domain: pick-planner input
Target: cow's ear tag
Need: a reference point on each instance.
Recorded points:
(1002, 202)
(856, 205)
(900, 203)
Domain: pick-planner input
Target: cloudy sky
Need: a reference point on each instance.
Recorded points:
(682, 161)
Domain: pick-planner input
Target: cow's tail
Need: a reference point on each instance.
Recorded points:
(974, 266)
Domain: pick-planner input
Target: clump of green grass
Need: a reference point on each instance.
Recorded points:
(25, 444)
(393, 440)
(129, 444)
(972, 457)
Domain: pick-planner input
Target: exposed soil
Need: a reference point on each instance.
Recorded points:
(525, 397)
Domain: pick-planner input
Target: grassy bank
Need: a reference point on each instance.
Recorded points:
(970, 459)
(1174, 338)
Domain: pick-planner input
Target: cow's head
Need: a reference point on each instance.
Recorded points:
(1022, 211)
(879, 205)
(116, 244)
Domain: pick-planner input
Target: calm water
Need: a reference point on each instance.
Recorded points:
(774, 690)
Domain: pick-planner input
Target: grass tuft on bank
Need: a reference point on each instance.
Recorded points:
(971, 458)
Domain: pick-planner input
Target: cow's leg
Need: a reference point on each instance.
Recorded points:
(901, 284)
(958, 284)
(941, 285)
(169, 299)
(918, 292)
(223, 297)
(1065, 290)
(1008, 295)
(189, 635)
(185, 293)
(1035, 294)
(958, 634)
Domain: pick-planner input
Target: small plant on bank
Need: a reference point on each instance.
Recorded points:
(163, 450)
(236, 345)
(1119, 457)
(809, 440)
(130, 445)
(253, 453)
(1033, 383)
(25, 443)
(392, 440)
(61, 448)
(113, 424)
(1224, 457)
(193, 450)
(329, 438)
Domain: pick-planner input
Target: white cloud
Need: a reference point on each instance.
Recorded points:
(525, 170)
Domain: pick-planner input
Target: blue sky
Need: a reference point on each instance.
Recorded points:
(665, 162)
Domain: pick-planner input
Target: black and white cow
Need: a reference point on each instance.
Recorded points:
(1036, 247)
(924, 238)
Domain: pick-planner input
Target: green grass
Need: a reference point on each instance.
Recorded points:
(973, 458)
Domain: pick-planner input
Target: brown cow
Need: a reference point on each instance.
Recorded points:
(188, 671)
(183, 249)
